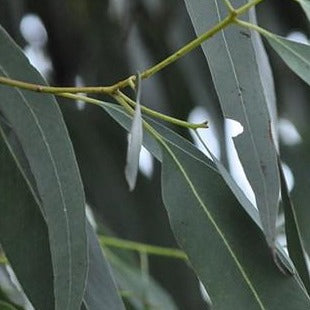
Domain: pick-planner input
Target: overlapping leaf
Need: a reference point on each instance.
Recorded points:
(295, 55)
(224, 246)
(293, 235)
(305, 4)
(23, 233)
(218, 236)
(100, 293)
(39, 126)
(235, 59)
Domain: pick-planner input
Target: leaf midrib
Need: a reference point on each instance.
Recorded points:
(58, 181)
(215, 225)
(247, 122)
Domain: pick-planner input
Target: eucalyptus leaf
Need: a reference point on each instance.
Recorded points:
(118, 113)
(295, 55)
(294, 239)
(235, 267)
(236, 61)
(39, 126)
(305, 4)
(134, 148)
(23, 233)
(101, 292)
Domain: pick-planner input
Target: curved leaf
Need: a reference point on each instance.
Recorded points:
(295, 55)
(223, 244)
(100, 293)
(305, 4)
(235, 59)
(38, 124)
(134, 148)
(23, 234)
(294, 239)
(129, 279)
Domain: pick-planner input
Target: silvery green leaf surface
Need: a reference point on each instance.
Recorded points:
(209, 182)
(23, 233)
(39, 126)
(295, 55)
(134, 147)
(305, 4)
(235, 60)
(295, 243)
(100, 292)
(235, 267)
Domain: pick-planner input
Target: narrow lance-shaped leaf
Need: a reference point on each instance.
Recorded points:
(235, 60)
(101, 292)
(134, 141)
(305, 4)
(23, 234)
(225, 247)
(39, 126)
(295, 55)
(294, 240)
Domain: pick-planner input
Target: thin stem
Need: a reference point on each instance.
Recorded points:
(247, 6)
(254, 27)
(164, 117)
(142, 248)
(187, 48)
(229, 6)
(55, 90)
(147, 73)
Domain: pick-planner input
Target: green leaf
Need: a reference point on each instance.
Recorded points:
(294, 240)
(100, 293)
(295, 55)
(134, 148)
(129, 279)
(118, 113)
(305, 4)
(39, 126)
(225, 247)
(23, 234)
(236, 58)
(5, 306)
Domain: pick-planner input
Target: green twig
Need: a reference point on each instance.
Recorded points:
(142, 248)
(253, 27)
(229, 6)
(110, 90)
(164, 117)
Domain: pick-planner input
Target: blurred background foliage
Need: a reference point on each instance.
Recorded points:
(98, 42)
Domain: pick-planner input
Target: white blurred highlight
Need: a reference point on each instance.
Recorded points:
(146, 163)
(80, 83)
(288, 132)
(209, 135)
(298, 37)
(289, 177)
(34, 32)
(204, 294)
(232, 130)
